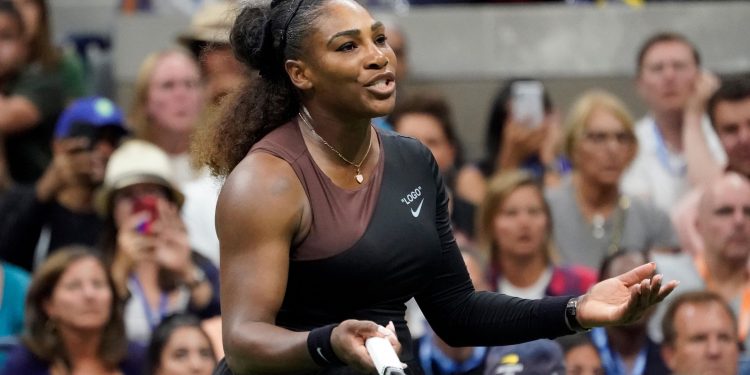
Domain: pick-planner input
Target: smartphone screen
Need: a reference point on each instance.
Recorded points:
(527, 103)
(146, 203)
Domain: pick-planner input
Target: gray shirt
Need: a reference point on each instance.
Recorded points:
(639, 226)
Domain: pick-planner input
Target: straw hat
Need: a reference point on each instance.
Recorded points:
(134, 162)
(211, 23)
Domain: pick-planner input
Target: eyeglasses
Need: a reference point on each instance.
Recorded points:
(600, 138)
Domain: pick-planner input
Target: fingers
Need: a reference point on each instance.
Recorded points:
(636, 275)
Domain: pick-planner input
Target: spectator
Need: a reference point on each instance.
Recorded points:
(180, 346)
(41, 218)
(592, 217)
(208, 40)
(700, 335)
(721, 266)
(428, 118)
(74, 321)
(516, 229)
(145, 242)
(627, 349)
(668, 73)
(581, 357)
(63, 64)
(14, 283)
(511, 145)
(166, 108)
(31, 98)
(530, 358)
(729, 110)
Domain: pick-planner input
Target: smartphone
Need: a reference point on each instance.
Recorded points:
(146, 203)
(527, 102)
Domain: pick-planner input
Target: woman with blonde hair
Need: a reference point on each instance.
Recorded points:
(74, 321)
(167, 106)
(515, 227)
(592, 218)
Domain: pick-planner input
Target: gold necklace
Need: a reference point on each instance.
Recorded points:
(358, 176)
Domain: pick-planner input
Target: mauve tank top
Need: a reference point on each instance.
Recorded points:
(340, 216)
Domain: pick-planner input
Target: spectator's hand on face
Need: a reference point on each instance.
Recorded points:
(71, 165)
(705, 86)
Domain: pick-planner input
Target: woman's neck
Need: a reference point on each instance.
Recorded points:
(172, 142)
(594, 198)
(522, 271)
(81, 345)
(350, 137)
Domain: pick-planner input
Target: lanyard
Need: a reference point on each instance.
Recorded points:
(429, 353)
(743, 318)
(612, 363)
(152, 320)
(663, 154)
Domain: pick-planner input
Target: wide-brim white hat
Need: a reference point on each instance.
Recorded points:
(212, 23)
(136, 162)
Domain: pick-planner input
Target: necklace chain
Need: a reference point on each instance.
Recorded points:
(304, 115)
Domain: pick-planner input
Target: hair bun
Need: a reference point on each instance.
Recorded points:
(251, 38)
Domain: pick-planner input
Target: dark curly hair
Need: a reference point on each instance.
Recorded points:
(262, 38)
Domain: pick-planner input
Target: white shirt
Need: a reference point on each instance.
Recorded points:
(201, 192)
(657, 174)
(533, 291)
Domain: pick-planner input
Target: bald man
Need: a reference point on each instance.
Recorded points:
(723, 222)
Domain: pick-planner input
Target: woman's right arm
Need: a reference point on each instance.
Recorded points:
(260, 210)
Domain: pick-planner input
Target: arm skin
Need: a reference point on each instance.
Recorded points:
(258, 213)
(702, 168)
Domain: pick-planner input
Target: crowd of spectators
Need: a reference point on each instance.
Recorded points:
(108, 250)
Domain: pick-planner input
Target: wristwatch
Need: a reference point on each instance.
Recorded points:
(571, 316)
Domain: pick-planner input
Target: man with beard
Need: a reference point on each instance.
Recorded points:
(58, 209)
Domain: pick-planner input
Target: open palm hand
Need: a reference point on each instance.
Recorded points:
(623, 299)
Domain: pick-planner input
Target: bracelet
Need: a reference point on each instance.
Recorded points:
(571, 319)
(320, 348)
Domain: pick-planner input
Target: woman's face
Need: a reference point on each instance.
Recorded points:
(605, 149)
(348, 66)
(187, 352)
(426, 128)
(521, 224)
(175, 94)
(82, 298)
(124, 200)
(13, 50)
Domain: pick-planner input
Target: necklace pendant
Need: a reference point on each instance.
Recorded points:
(360, 179)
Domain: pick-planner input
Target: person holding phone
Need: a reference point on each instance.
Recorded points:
(40, 218)
(145, 242)
(328, 226)
(523, 131)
